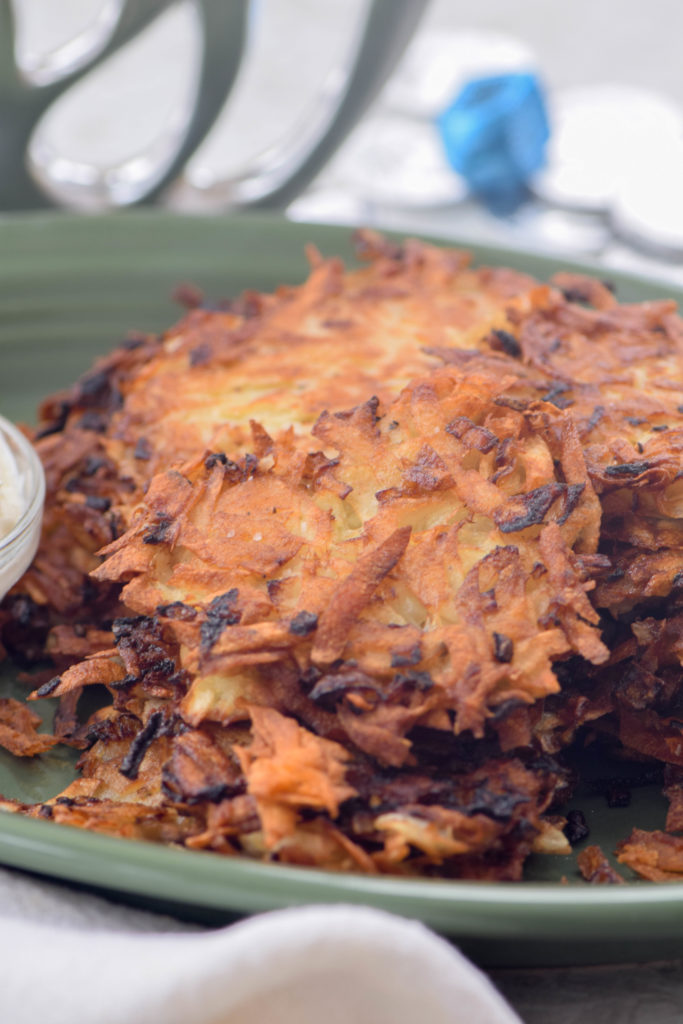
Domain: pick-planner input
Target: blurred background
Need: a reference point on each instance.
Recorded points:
(581, 109)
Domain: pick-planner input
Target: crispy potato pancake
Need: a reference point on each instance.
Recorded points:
(376, 549)
(279, 360)
(429, 580)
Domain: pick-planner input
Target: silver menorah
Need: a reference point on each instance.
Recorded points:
(272, 181)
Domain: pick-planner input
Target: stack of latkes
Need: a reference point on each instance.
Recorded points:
(358, 562)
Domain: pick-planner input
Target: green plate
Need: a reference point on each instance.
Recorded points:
(70, 288)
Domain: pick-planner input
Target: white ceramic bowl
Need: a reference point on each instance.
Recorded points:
(18, 547)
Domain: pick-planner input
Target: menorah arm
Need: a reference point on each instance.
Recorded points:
(284, 171)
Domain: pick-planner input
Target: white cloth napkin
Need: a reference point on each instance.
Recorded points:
(69, 958)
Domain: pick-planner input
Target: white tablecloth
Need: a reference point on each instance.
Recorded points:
(69, 958)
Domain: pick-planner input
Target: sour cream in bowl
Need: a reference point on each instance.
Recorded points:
(22, 494)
